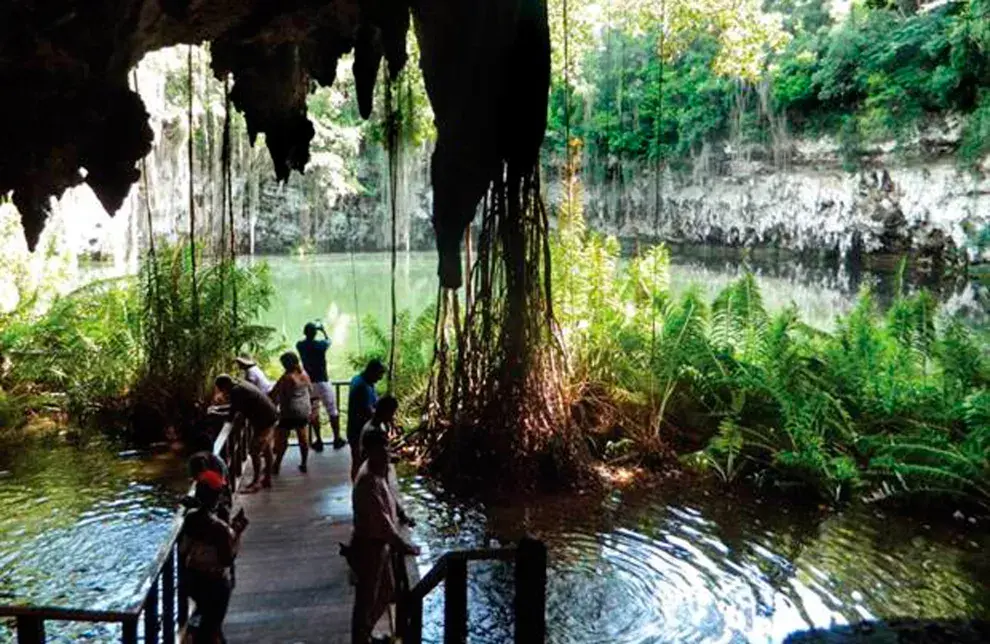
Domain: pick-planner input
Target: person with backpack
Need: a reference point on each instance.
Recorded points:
(207, 548)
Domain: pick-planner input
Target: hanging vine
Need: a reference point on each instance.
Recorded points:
(654, 306)
(392, 130)
(229, 190)
(153, 286)
(227, 244)
(192, 198)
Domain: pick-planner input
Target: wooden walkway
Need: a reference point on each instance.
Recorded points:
(292, 586)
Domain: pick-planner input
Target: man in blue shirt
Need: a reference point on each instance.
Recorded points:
(361, 401)
(313, 354)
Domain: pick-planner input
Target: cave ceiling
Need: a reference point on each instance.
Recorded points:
(68, 116)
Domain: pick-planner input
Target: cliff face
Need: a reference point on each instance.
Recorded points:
(926, 206)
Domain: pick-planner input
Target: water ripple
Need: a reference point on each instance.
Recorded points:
(629, 570)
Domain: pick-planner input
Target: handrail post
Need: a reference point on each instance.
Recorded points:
(455, 608)
(531, 592)
(183, 594)
(412, 624)
(151, 615)
(168, 599)
(30, 630)
(130, 631)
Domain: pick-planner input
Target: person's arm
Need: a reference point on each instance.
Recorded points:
(276, 392)
(400, 510)
(227, 540)
(392, 533)
(369, 402)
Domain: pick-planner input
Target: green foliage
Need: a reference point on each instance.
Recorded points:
(975, 143)
(189, 336)
(413, 359)
(893, 401)
(81, 353)
(134, 347)
(879, 74)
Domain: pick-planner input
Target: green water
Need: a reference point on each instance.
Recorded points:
(80, 526)
(343, 294)
(344, 290)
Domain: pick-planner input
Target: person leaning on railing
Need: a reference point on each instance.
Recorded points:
(250, 404)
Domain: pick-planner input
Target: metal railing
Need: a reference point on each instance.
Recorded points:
(530, 558)
(337, 385)
(163, 608)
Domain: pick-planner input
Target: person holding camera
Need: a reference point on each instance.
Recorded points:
(313, 353)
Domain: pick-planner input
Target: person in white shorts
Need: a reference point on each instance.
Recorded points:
(313, 353)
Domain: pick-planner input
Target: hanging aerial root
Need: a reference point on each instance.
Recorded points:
(505, 415)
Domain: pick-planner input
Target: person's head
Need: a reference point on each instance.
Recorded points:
(197, 465)
(374, 447)
(224, 383)
(309, 330)
(201, 442)
(375, 371)
(386, 408)
(290, 362)
(208, 487)
(244, 362)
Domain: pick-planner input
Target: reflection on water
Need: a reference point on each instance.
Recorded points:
(340, 289)
(710, 568)
(80, 526)
(343, 290)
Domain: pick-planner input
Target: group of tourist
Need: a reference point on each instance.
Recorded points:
(211, 537)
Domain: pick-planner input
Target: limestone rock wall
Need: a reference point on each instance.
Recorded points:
(926, 206)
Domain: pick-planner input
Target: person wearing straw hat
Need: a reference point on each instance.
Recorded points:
(253, 374)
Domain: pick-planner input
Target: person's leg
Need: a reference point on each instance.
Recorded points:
(301, 431)
(319, 390)
(355, 457)
(314, 423)
(267, 455)
(254, 449)
(362, 625)
(281, 445)
(330, 402)
(212, 606)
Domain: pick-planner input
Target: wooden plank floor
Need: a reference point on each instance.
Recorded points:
(292, 586)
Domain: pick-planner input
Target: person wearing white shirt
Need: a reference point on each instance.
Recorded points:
(254, 374)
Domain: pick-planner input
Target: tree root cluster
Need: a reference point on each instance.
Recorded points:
(498, 418)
